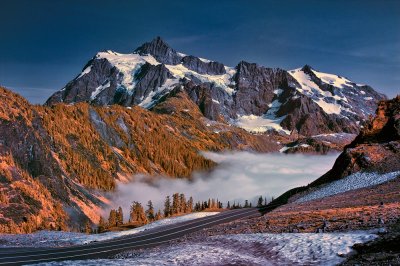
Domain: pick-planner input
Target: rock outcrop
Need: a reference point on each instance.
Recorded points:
(375, 149)
(160, 50)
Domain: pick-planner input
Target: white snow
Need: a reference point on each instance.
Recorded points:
(260, 124)
(368, 98)
(268, 121)
(351, 182)
(285, 148)
(85, 71)
(335, 135)
(308, 87)
(362, 92)
(244, 249)
(150, 100)
(329, 108)
(129, 64)
(205, 60)
(334, 80)
(215, 101)
(56, 238)
(223, 81)
(99, 89)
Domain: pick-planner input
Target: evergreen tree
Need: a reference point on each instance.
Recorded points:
(137, 214)
(265, 201)
(150, 211)
(246, 203)
(120, 217)
(102, 225)
(228, 206)
(112, 219)
(260, 201)
(213, 205)
(88, 227)
(175, 203)
(182, 203)
(167, 207)
(158, 215)
(189, 205)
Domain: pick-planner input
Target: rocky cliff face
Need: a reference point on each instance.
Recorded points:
(375, 149)
(250, 96)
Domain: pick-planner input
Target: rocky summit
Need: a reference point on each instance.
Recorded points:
(250, 96)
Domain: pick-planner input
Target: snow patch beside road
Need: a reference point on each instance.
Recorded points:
(244, 249)
(59, 239)
(351, 182)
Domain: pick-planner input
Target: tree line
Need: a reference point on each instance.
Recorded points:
(174, 205)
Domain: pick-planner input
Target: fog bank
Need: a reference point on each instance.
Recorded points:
(239, 176)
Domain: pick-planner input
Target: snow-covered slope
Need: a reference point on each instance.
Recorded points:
(351, 182)
(333, 93)
(250, 96)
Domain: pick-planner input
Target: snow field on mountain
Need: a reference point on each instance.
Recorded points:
(222, 81)
(351, 182)
(319, 96)
(99, 89)
(150, 100)
(129, 64)
(244, 249)
(268, 121)
(334, 80)
(57, 239)
(260, 124)
(283, 149)
(85, 71)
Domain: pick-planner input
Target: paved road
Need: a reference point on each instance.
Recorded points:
(105, 249)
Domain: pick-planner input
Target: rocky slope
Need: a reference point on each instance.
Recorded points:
(56, 160)
(375, 149)
(250, 96)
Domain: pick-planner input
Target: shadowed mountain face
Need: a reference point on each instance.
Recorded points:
(250, 96)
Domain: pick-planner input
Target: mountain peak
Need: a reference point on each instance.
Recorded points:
(160, 50)
(157, 42)
(306, 68)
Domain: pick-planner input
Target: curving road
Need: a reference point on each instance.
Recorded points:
(105, 249)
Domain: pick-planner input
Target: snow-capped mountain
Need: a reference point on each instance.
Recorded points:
(250, 96)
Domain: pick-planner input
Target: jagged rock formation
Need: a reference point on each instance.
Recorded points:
(250, 96)
(375, 149)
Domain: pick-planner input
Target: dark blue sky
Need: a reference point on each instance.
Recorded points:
(44, 44)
